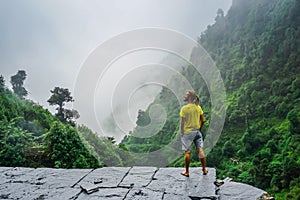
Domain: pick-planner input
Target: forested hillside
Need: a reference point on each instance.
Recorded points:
(256, 47)
(30, 136)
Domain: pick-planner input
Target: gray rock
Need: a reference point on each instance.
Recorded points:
(171, 181)
(107, 177)
(105, 193)
(175, 197)
(144, 194)
(119, 183)
(42, 183)
(89, 187)
(234, 190)
(139, 177)
(60, 178)
(3, 169)
(57, 194)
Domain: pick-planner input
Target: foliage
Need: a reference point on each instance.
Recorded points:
(256, 47)
(105, 148)
(17, 82)
(66, 149)
(143, 118)
(61, 96)
(30, 136)
(13, 142)
(2, 83)
(258, 55)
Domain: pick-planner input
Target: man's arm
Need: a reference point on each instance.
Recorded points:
(201, 121)
(182, 125)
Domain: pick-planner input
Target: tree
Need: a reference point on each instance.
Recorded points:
(2, 83)
(228, 149)
(294, 119)
(70, 115)
(220, 13)
(111, 139)
(13, 143)
(17, 82)
(61, 96)
(143, 118)
(66, 149)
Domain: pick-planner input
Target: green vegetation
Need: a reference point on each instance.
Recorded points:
(258, 52)
(31, 136)
(17, 82)
(160, 139)
(61, 96)
(256, 46)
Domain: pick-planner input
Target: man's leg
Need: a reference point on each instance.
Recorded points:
(202, 160)
(186, 146)
(187, 158)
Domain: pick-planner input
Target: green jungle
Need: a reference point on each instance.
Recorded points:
(256, 47)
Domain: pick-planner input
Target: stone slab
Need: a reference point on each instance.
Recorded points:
(105, 193)
(60, 178)
(7, 174)
(42, 183)
(235, 191)
(144, 194)
(119, 183)
(106, 177)
(89, 187)
(139, 177)
(170, 181)
(175, 197)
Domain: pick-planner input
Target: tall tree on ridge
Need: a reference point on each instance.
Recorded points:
(17, 82)
(2, 83)
(61, 96)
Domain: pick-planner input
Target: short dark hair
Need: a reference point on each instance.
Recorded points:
(192, 94)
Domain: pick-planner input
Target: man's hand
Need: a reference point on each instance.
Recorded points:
(201, 122)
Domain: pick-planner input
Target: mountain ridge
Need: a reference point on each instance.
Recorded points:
(256, 48)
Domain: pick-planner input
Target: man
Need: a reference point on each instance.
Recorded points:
(189, 126)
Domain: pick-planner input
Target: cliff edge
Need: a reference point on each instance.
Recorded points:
(119, 183)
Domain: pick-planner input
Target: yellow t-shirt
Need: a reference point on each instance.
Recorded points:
(191, 113)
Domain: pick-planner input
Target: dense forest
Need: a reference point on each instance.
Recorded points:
(256, 46)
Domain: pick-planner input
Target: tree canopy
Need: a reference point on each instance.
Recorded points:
(61, 96)
(17, 82)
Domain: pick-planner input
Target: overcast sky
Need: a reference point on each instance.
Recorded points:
(51, 39)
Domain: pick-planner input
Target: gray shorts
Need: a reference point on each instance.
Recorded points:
(187, 140)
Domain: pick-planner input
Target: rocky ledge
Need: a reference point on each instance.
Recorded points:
(120, 183)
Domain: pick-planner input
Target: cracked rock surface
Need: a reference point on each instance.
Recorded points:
(117, 183)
